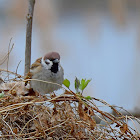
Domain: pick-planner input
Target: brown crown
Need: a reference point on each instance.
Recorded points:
(52, 55)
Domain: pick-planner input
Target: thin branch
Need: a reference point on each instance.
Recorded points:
(18, 75)
(29, 36)
(28, 123)
(6, 56)
(17, 67)
(9, 128)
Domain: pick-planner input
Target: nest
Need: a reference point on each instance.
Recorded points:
(66, 116)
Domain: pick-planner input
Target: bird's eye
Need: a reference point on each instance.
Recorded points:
(52, 60)
(47, 63)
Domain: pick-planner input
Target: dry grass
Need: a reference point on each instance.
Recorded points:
(67, 116)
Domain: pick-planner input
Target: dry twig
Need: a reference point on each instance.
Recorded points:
(29, 36)
(67, 116)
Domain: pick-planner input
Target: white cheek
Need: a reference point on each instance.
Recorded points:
(46, 66)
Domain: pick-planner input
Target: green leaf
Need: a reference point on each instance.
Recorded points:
(86, 83)
(83, 84)
(66, 82)
(88, 98)
(1, 95)
(77, 83)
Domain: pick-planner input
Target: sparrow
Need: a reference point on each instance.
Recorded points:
(46, 68)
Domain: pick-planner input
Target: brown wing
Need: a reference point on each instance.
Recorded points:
(36, 63)
(33, 66)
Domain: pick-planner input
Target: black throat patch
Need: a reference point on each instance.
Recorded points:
(54, 68)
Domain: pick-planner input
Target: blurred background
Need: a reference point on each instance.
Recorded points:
(97, 39)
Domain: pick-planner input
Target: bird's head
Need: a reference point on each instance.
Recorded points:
(51, 61)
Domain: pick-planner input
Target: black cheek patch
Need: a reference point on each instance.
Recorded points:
(54, 68)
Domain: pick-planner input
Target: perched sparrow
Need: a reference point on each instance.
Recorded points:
(47, 68)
